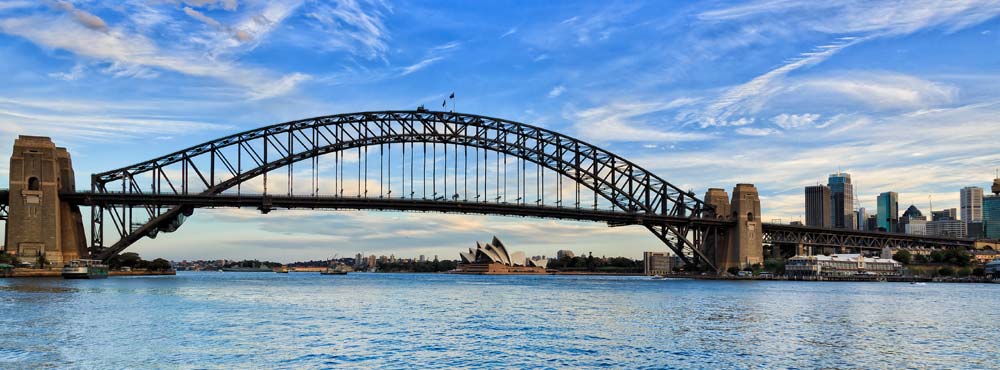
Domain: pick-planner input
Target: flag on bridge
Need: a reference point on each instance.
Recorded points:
(452, 95)
(444, 103)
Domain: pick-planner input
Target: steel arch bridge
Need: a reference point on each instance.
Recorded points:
(506, 162)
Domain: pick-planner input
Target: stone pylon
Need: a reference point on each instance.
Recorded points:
(741, 245)
(39, 223)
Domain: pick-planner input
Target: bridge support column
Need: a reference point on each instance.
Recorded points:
(40, 224)
(743, 246)
(718, 242)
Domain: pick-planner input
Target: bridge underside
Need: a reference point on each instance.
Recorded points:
(266, 203)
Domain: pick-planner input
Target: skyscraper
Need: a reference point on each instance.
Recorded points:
(818, 206)
(991, 212)
(841, 201)
(944, 214)
(971, 204)
(888, 211)
(862, 219)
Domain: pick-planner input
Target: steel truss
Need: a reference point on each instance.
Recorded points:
(211, 168)
(853, 239)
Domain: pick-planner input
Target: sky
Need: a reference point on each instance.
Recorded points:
(901, 95)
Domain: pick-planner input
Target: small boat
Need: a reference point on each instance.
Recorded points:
(917, 283)
(659, 277)
(85, 269)
(337, 270)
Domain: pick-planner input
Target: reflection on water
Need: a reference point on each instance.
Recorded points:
(264, 320)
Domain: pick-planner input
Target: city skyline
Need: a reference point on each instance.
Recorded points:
(901, 102)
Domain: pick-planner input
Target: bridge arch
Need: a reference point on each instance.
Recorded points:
(630, 188)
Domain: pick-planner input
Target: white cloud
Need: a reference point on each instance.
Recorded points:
(93, 120)
(623, 121)
(74, 73)
(202, 17)
(556, 91)
(753, 131)
(12, 4)
(864, 17)
(790, 121)
(509, 32)
(419, 65)
(880, 90)
(350, 27)
(750, 97)
(129, 53)
(230, 5)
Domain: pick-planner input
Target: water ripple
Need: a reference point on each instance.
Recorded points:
(261, 320)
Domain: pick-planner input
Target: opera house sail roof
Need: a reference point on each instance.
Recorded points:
(496, 252)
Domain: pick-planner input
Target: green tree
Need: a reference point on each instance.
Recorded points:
(42, 261)
(937, 257)
(946, 271)
(775, 265)
(964, 271)
(903, 256)
(920, 258)
(160, 264)
(733, 270)
(979, 271)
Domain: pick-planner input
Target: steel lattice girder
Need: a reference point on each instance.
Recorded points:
(629, 187)
(784, 234)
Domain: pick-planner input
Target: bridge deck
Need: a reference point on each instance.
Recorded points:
(269, 202)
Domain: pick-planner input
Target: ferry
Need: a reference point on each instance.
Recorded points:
(337, 270)
(85, 269)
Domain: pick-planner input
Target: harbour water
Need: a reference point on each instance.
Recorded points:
(299, 320)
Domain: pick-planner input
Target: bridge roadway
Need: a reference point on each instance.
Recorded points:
(266, 203)
(772, 233)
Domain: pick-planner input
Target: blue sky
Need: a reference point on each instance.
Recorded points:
(903, 95)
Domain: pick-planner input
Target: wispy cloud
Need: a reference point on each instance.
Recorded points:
(556, 91)
(509, 32)
(731, 108)
(127, 51)
(629, 121)
(73, 74)
(92, 120)
(419, 65)
(792, 121)
(349, 26)
(864, 17)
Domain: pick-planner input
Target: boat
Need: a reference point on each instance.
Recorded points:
(85, 269)
(917, 283)
(337, 270)
(659, 277)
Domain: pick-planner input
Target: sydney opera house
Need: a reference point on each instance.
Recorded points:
(493, 258)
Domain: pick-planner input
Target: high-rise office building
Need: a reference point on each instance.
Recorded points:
(862, 219)
(991, 212)
(971, 204)
(913, 222)
(944, 214)
(872, 224)
(841, 200)
(656, 263)
(947, 228)
(818, 206)
(888, 211)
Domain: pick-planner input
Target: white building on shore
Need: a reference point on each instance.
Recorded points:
(842, 265)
